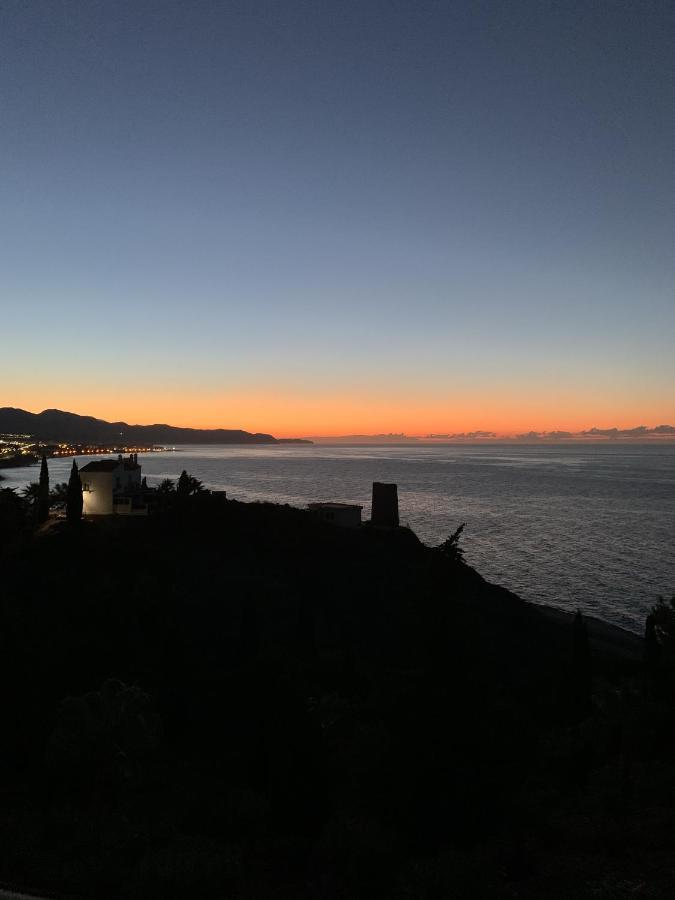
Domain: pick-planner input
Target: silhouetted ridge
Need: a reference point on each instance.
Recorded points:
(57, 425)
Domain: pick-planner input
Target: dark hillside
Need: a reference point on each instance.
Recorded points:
(57, 425)
(261, 706)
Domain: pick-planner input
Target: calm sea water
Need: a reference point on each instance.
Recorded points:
(571, 525)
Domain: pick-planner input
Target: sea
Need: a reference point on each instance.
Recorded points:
(577, 526)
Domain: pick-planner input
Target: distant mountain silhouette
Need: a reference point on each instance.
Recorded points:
(56, 425)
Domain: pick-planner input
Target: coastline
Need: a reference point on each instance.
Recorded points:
(606, 639)
(518, 532)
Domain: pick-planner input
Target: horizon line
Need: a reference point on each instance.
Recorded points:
(660, 432)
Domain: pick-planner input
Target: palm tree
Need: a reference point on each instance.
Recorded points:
(31, 492)
(166, 486)
(195, 485)
(188, 485)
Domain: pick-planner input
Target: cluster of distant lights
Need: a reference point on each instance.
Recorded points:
(16, 445)
(66, 450)
(24, 445)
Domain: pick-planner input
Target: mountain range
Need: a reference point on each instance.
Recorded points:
(57, 425)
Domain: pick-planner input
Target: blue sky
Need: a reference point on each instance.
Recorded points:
(210, 202)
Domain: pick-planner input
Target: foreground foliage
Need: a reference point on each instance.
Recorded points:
(231, 700)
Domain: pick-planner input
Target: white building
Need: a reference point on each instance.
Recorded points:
(112, 486)
(345, 514)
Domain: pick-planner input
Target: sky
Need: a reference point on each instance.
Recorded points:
(339, 217)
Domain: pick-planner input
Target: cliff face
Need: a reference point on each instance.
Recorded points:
(56, 425)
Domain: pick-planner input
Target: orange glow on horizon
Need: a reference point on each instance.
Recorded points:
(287, 413)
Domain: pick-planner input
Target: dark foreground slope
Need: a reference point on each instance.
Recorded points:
(233, 701)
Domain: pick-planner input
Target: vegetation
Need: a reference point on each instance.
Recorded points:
(30, 494)
(59, 493)
(74, 501)
(235, 700)
(451, 547)
(43, 500)
(13, 517)
(660, 635)
(188, 485)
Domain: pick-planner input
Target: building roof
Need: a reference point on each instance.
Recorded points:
(109, 465)
(331, 505)
(101, 465)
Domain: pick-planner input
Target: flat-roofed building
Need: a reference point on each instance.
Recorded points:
(347, 515)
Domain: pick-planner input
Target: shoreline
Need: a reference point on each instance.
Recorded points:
(606, 639)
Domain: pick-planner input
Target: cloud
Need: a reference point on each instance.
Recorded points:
(641, 431)
(463, 435)
(545, 436)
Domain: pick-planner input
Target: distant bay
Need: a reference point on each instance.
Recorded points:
(572, 525)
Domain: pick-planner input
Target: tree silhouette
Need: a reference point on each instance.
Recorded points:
(652, 650)
(12, 514)
(450, 546)
(581, 662)
(188, 485)
(103, 739)
(43, 492)
(195, 485)
(660, 634)
(74, 495)
(30, 493)
(183, 488)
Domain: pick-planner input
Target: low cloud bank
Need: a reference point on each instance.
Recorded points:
(640, 431)
(462, 436)
(545, 436)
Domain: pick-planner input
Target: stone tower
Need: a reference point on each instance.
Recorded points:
(385, 505)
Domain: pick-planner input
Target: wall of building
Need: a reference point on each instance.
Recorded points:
(97, 500)
(126, 480)
(346, 516)
(132, 480)
(124, 507)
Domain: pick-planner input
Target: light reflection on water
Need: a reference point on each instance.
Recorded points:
(573, 525)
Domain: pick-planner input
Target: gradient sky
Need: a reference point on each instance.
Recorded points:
(335, 217)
